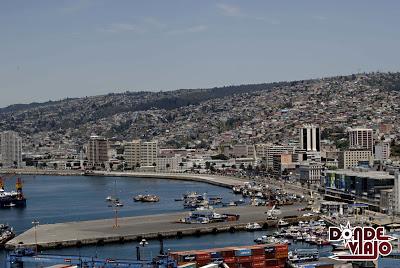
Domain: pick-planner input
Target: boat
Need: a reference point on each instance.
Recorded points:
(146, 198)
(282, 223)
(301, 255)
(10, 205)
(109, 198)
(6, 233)
(253, 226)
(13, 198)
(338, 246)
(118, 204)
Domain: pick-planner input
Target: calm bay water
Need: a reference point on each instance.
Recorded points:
(53, 199)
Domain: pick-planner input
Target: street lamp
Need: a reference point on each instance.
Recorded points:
(35, 225)
(142, 243)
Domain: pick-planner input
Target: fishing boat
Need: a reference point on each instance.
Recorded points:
(253, 226)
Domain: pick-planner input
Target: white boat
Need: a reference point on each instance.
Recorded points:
(109, 198)
(118, 204)
(282, 223)
(253, 226)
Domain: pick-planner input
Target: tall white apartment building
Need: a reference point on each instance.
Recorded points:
(11, 149)
(361, 138)
(140, 153)
(310, 138)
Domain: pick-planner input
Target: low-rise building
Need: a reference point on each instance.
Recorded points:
(310, 172)
(353, 158)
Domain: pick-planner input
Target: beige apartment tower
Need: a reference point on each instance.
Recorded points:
(97, 151)
(139, 153)
(11, 149)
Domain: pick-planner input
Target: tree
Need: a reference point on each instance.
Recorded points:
(249, 167)
(167, 166)
(55, 165)
(181, 165)
(241, 166)
(233, 166)
(223, 166)
(208, 165)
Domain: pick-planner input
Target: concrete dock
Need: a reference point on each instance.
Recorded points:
(133, 228)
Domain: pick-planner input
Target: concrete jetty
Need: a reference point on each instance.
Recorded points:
(133, 228)
(224, 181)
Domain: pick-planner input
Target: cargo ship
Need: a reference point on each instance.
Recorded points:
(14, 198)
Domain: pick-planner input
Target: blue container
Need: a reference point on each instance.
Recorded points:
(242, 252)
(216, 255)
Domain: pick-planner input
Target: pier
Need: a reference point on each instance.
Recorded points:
(72, 234)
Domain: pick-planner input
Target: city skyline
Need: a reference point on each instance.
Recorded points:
(68, 52)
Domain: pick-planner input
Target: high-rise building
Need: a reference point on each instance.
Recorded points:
(382, 151)
(266, 152)
(310, 138)
(361, 138)
(97, 151)
(11, 149)
(396, 190)
(140, 153)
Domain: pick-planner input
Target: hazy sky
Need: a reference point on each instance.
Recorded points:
(55, 49)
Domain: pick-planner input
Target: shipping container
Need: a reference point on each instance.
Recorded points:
(271, 262)
(228, 253)
(245, 265)
(256, 258)
(201, 256)
(215, 255)
(258, 250)
(258, 264)
(243, 259)
(242, 252)
(187, 258)
(230, 259)
(281, 247)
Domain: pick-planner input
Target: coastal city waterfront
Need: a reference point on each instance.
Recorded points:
(199, 134)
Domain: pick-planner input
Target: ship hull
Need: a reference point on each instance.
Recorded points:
(10, 202)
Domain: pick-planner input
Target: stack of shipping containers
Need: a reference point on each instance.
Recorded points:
(257, 256)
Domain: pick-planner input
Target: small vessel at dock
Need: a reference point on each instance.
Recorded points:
(6, 233)
(253, 226)
(146, 198)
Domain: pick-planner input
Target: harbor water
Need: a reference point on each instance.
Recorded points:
(54, 199)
